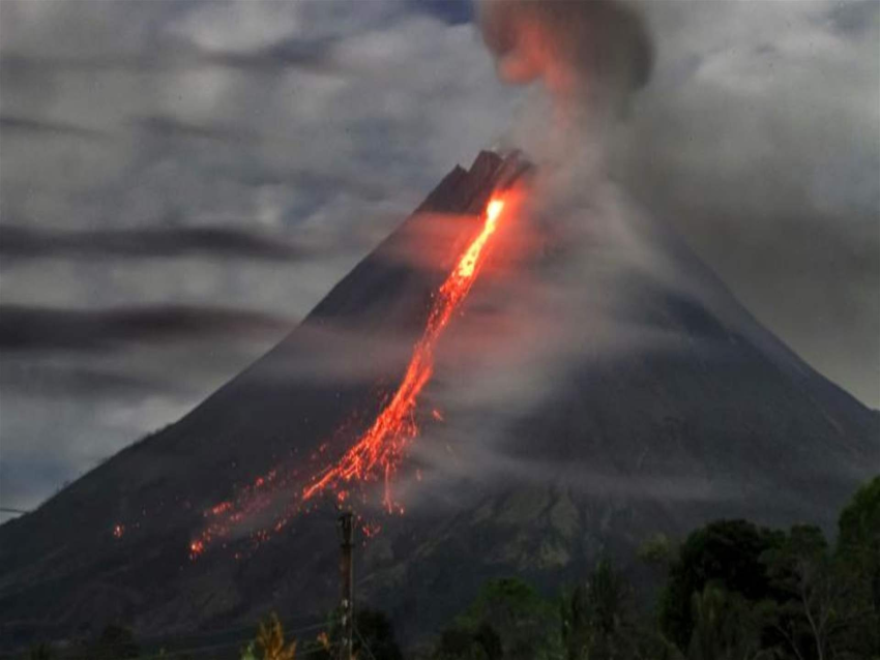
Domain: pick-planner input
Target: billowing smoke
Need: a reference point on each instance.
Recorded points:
(578, 302)
(589, 54)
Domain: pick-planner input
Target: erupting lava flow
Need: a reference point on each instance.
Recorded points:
(380, 449)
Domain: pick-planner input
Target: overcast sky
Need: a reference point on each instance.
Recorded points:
(180, 182)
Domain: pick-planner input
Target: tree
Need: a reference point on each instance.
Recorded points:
(508, 619)
(270, 640)
(374, 637)
(858, 555)
(460, 642)
(809, 596)
(727, 553)
(597, 617)
(375, 632)
(599, 622)
(249, 652)
(725, 626)
(658, 551)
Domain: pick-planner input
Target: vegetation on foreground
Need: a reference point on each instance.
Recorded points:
(730, 591)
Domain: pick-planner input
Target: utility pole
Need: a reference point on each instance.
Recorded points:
(346, 577)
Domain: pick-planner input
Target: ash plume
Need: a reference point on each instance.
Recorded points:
(589, 54)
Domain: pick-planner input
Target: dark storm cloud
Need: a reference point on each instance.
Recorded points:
(216, 242)
(25, 328)
(311, 55)
(171, 128)
(30, 127)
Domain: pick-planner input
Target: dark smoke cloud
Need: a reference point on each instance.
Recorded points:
(24, 328)
(218, 242)
(588, 54)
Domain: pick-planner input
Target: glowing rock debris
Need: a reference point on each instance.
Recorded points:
(379, 451)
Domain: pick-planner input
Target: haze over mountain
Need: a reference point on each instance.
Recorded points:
(671, 407)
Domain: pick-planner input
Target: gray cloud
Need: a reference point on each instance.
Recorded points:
(149, 242)
(33, 127)
(29, 328)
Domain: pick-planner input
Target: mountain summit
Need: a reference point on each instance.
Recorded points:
(730, 423)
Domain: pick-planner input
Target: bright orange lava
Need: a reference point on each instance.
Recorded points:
(380, 449)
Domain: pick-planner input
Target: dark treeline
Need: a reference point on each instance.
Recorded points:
(730, 591)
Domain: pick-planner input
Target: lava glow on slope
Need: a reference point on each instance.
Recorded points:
(379, 451)
(381, 448)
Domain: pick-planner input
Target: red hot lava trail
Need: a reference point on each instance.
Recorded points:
(379, 451)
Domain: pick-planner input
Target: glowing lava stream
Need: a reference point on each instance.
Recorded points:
(382, 446)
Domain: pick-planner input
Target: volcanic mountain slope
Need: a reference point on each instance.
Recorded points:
(731, 423)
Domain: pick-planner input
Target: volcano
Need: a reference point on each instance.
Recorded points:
(729, 424)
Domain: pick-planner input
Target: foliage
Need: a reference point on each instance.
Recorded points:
(599, 622)
(733, 591)
(508, 619)
(726, 553)
(375, 632)
(823, 608)
(725, 626)
(374, 638)
(858, 558)
(463, 643)
(270, 640)
(658, 551)
(595, 622)
(249, 652)
(808, 605)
